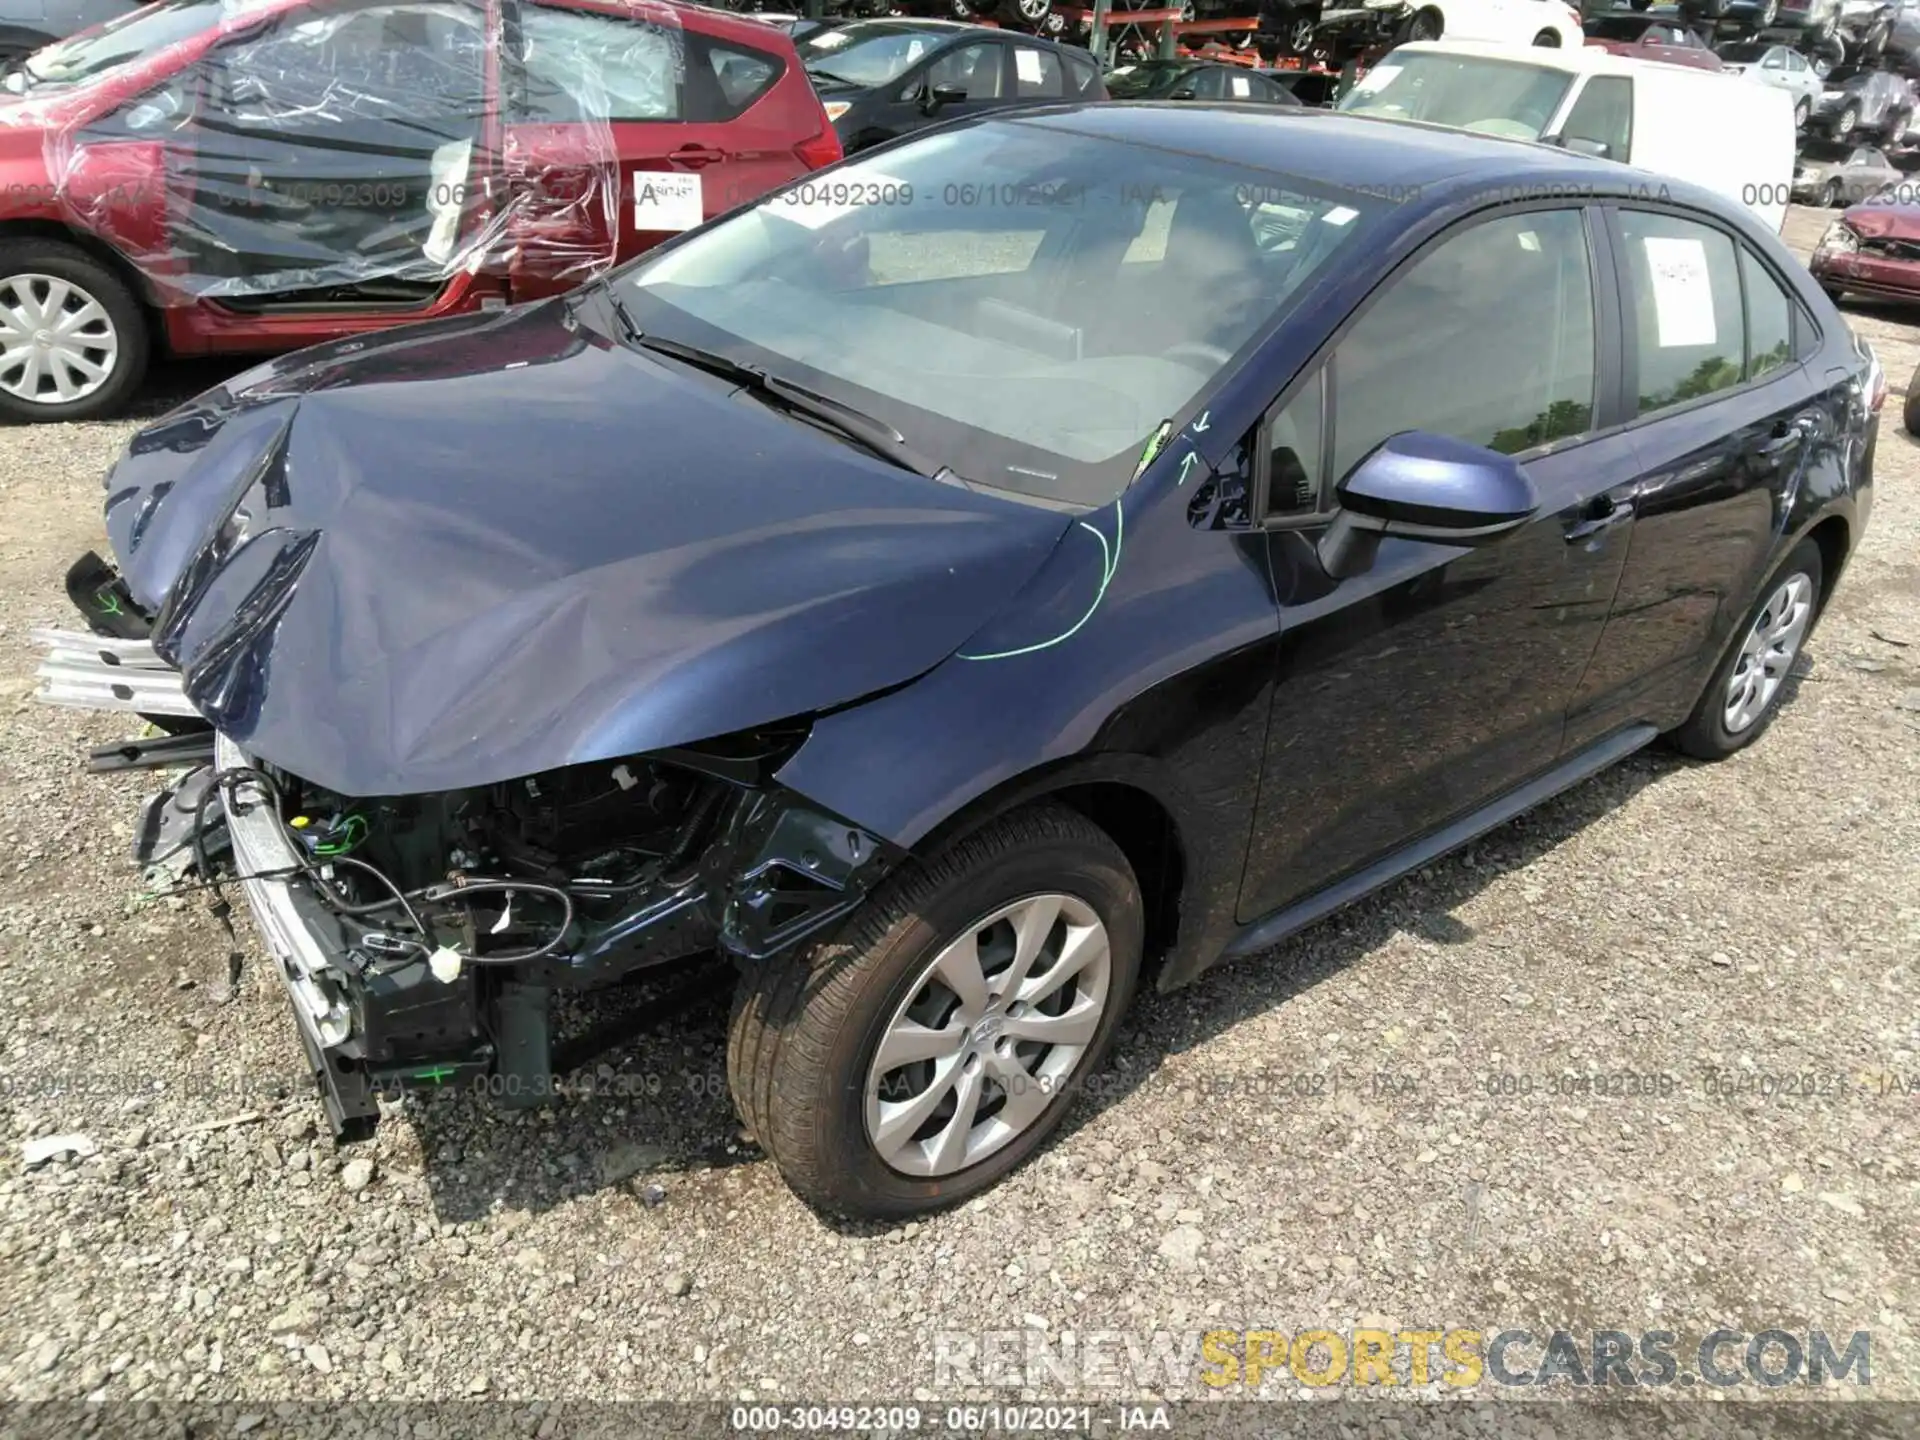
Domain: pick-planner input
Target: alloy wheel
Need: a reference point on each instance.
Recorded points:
(1033, 11)
(57, 342)
(1768, 652)
(989, 1035)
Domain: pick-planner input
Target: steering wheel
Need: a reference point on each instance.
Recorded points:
(1199, 350)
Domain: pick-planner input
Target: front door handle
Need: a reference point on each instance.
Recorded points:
(694, 156)
(1603, 513)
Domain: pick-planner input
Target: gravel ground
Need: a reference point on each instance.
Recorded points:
(1755, 918)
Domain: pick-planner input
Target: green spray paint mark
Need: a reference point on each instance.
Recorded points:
(1110, 562)
(436, 1074)
(108, 602)
(1156, 442)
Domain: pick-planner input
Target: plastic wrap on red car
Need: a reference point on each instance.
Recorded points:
(369, 154)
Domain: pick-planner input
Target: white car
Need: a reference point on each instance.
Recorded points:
(1549, 23)
(1780, 66)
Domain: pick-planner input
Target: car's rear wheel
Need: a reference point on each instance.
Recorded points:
(73, 339)
(1830, 195)
(1844, 122)
(1026, 12)
(1801, 111)
(1768, 13)
(1743, 696)
(1548, 38)
(1910, 415)
(933, 1045)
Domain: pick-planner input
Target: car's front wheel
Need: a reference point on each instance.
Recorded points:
(1801, 112)
(1910, 414)
(73, 339)
(932, 1046)
(1744, 694)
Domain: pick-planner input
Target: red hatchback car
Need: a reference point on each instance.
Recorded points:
(227, 176)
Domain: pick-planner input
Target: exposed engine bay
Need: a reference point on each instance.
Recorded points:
(421, 936)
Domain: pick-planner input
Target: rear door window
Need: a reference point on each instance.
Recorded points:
(1038, 74)
(1685, 314)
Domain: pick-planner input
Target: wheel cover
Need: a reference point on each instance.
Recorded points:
(1034, 9)
(1768, 653)
(1301, 36)
(57, 342)
(988, 1036)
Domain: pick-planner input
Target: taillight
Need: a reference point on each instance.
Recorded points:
(1876, 383)
(823, 149)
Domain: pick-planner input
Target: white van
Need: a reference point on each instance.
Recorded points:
(1715, 130)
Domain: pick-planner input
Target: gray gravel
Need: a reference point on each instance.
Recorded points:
(1755, 917)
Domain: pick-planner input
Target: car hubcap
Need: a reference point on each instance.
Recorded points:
(991, 1032)
(1032, 10)
(57, 343)
(1302, 34)
(1768, 653)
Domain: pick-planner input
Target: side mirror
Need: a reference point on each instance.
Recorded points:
(1419, 486)
(1184, 93)
(1581, 145)
(934, 96)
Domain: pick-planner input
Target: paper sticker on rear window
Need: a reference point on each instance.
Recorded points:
(1026, 64)
(1375, 79)
(666, 200)
(1242, 87)
(1682, 291)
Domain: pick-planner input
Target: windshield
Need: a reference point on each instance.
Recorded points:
(864, 55)
(1744, 54)
(132, 36)
(1511, 98)
(1024, 303)
(1144, 82)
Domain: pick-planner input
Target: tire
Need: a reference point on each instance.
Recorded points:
(1844, 122)
(1026, 12)
(1895, 127)
(1424, 25)
(1802, 111)
(1830, 196)
(1823, 33)
(30, 270)
(1548, 39)
(805, 1030)
(1769, 12)
(1910, 414)
(1706, 734)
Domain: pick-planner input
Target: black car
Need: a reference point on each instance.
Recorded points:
(962, 613)
(1195, 80)
(883, 78)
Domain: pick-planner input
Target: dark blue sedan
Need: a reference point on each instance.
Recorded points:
(1043, 556)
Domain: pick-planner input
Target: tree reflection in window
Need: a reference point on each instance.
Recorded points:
(1558, 421)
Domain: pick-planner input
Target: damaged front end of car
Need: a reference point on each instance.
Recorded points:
(421, 938)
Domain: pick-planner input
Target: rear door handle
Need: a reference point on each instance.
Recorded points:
(1603, 512)
(694, 156)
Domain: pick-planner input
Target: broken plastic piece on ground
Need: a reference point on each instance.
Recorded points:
(48, 1147)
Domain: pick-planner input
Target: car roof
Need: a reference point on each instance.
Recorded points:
(1585, 59)
(1425, 166)
(909, 25)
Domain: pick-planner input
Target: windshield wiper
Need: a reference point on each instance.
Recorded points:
(831, 78)
(865, 430)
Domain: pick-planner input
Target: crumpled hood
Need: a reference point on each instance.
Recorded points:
(1884, 222)
(478, 550)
